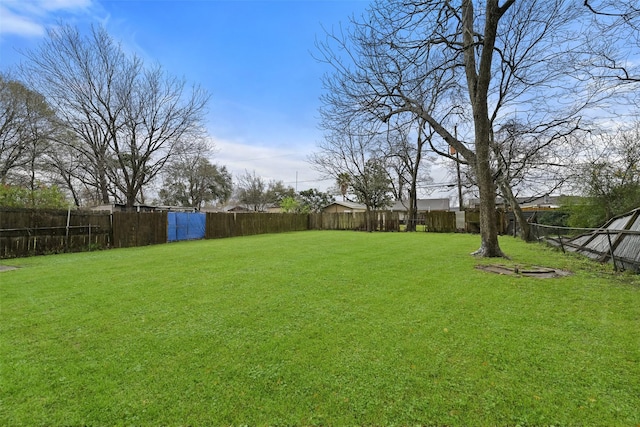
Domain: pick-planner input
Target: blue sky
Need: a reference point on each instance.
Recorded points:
(254, 57)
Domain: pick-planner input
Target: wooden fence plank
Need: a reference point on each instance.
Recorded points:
(30, 232)
(472, 219)
(440, 222)
(220, 225)
(139, 228)
(26, 232)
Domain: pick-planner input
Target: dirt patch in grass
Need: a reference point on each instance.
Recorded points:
(6, 268)
(529, 271)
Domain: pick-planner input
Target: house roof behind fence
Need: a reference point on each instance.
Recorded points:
(348, 205)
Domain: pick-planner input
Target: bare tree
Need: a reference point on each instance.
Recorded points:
(534, 159)
(483, 60)
(66, 171)
(405, 159)
(258, 195)
(250, 190)
(351, 153)
(127, 120)
(615, 39)
(159, 119)
(81, 78)
(26, 125)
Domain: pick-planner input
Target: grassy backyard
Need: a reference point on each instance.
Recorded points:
(317, 328)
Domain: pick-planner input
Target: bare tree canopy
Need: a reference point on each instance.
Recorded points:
(468, 65)
(258, 195)
(406, 144)
(349, 155)
(126, 119)
(615, 23)
(533, 159)
(26, 124)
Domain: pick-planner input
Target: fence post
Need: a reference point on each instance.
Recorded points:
(66, 240)
(561, 243)
(613, 258)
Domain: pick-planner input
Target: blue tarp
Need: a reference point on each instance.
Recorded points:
(185, 226)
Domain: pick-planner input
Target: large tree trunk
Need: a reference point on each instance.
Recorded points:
(489, 246)
(104, 188)
(478, 80)
(130, 198)
(411, 212)
(413, 190)
(101, 171)
(368, 218)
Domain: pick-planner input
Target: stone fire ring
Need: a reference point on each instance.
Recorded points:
(529, 271)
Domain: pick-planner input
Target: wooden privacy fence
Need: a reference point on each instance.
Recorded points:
(386, 221)
(379, 221)
(25, 232)
(337, 221)
(472, 221)
(219, 224)
(439, 222)
(139, 228)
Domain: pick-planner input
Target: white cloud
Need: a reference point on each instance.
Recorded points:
(291, 167)
(271, 163)
(12, 23)
(29, 18)
(65, 4)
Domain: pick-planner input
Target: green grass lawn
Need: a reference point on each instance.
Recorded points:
(317, 328)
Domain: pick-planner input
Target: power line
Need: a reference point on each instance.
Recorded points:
(308, 180)
(438, 184)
